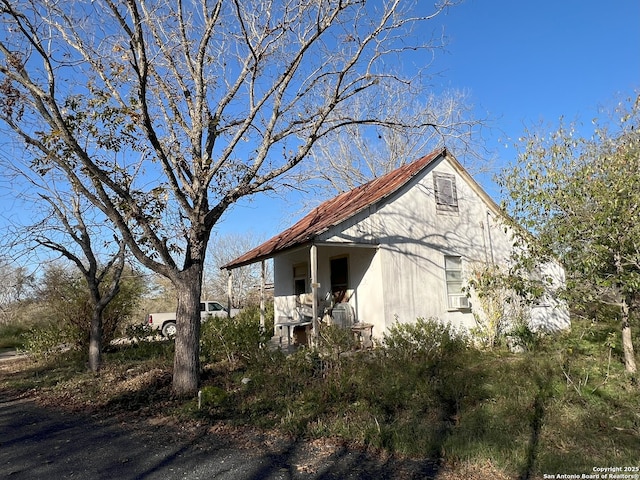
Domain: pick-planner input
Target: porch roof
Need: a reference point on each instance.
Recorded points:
(335, 211)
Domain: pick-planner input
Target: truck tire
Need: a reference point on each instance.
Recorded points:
(169, 329)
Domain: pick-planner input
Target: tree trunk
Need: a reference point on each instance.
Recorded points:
(186, 364)
(95, 340)
(627, 344)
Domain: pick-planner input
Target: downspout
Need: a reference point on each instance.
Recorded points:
(484, 243)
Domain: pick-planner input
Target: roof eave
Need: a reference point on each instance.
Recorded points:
(253, 256)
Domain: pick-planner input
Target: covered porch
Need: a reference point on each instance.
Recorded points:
(331, 264)
(328, 283)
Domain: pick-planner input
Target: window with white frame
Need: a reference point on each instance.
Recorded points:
(456, 298)
(444, 186)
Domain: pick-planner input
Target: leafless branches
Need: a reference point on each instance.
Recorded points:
(415, 125)
(164, 113)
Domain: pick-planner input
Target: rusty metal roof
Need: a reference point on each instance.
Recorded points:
(335, 211)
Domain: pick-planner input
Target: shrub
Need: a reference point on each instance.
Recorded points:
(142, 343)
(139, 332)
(429, 372)
(423, 340)
(48, 340)
(12, 335)
(237, 339)
(521, 335)
(333, 341)
(503, 298)
(66, 301)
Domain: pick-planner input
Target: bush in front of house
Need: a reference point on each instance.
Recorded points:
(236, 340)
(424, 392)
(426, 340)
(403, 396)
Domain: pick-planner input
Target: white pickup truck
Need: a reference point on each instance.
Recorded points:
(166, 321)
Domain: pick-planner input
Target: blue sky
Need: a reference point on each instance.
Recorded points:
(521, 63)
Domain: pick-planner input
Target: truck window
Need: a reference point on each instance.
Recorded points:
(215, 307)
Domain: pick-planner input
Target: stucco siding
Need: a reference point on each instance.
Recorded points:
(403, 277)
(283, 290)
(414, 239)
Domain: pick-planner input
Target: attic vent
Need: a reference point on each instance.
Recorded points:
(444, 186)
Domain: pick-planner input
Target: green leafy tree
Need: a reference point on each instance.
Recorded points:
(165, 113)
(580, 197)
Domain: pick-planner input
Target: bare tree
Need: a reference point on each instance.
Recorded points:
(246, 280)
(103, 279)
(421, 123)
(65, 223)
(164, 113)
(160, 296)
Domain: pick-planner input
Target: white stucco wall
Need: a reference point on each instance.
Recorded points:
(404, 278)
(414, 239)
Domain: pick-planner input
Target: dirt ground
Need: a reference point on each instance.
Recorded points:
(60, 436)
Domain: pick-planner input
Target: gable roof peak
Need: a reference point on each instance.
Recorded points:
(337, 210)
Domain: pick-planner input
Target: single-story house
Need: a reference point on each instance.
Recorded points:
(395, 249)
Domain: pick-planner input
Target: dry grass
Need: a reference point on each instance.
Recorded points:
(519, 416)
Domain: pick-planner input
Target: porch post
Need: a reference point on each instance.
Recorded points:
(229, 291)
(262, 288)
(314, 292)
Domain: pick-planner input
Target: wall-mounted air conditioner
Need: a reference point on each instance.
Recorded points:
(458, 301)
